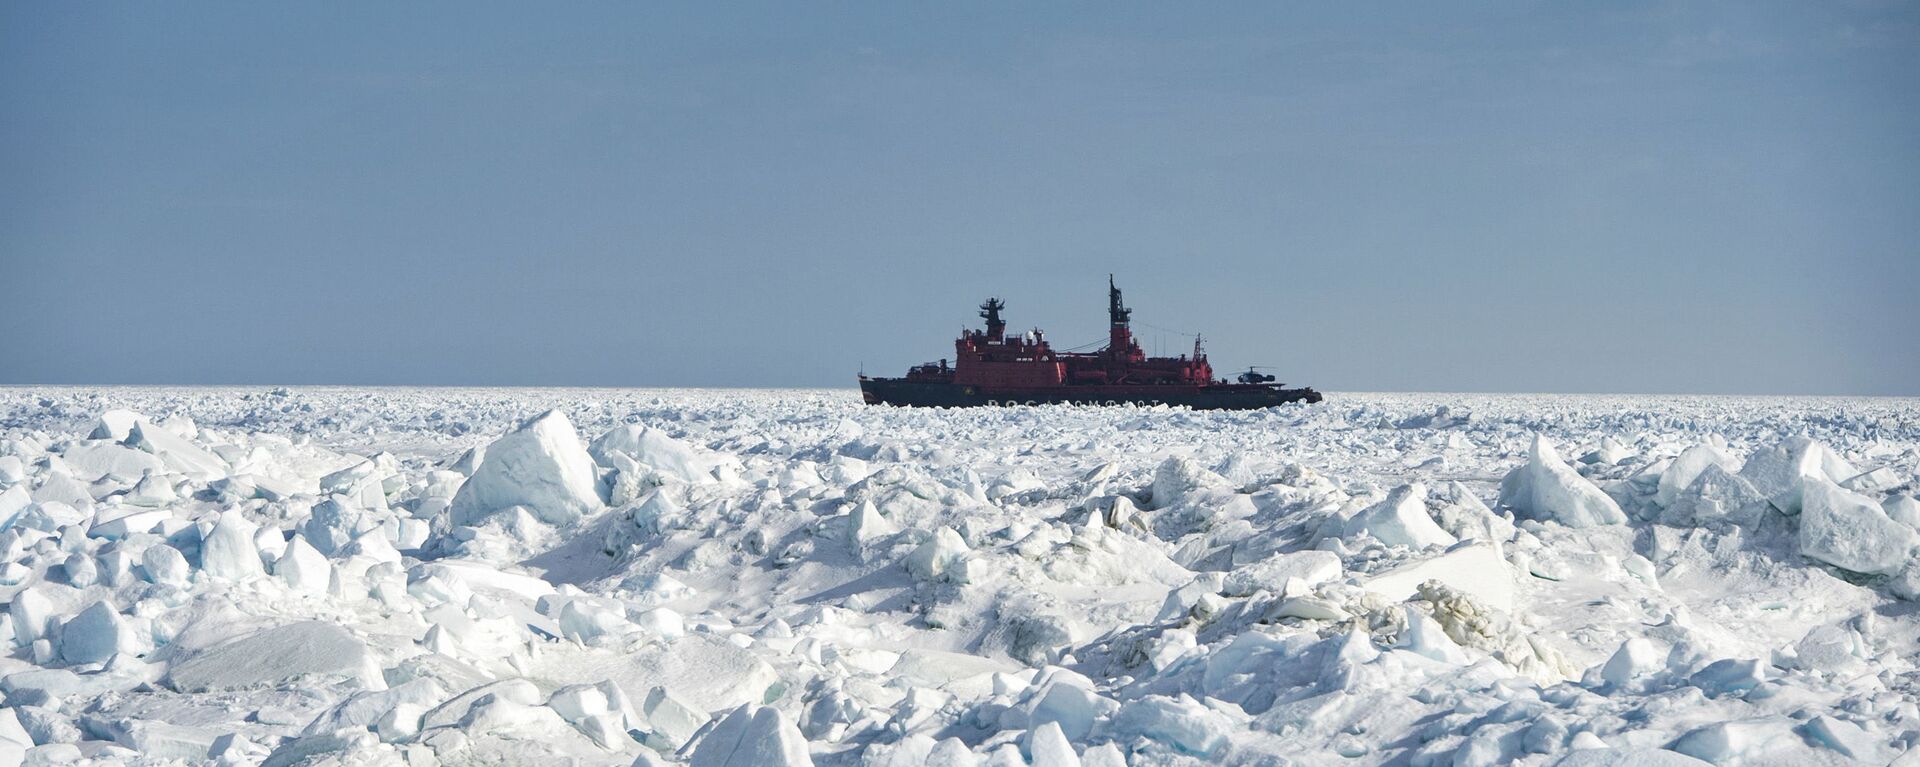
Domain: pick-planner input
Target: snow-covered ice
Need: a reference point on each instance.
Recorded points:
(638, 577)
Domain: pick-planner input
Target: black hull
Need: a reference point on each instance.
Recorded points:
(901, 392)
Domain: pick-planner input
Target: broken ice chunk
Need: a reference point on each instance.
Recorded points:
(1778, 472)
(180, 454)
(1715, 496)
(753, 736)
(1424, 636)
(1050, 748)
(1734, 741)
(1636, 658)
(1401, 520)
(662, 453)
(1069, 702)
(670, 722)
(1311, 568)
(1874, 480)
(1684, 469)
(1849, 531)
(1547, 489)
(1467, 518)
(115, 424)
(540, 466)
(1904, 509)
(940, 558)
(92, 462)
(1178, 477)
(165, 565)
(1476, 569)
(303, 568)
(31, 613)
(1728, 676)
(152, 490)
(12, 502)
(93, 636)
(866, 525)
(1609, 452)
(272, 656)
(229, 551)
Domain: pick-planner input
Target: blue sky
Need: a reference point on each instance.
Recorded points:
(1593, 197)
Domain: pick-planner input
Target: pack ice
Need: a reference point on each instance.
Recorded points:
(734, 578)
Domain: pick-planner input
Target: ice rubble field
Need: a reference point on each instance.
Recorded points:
(419, 577)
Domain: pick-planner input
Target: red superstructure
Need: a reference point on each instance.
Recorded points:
(990, 359)
(990, 368)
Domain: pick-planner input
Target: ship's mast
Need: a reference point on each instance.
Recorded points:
(996, 327)
(1119, 335)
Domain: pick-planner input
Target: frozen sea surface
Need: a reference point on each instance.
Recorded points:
(744, 577)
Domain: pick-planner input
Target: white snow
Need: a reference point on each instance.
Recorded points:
(449, 576)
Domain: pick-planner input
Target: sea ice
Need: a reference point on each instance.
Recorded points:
(1850, 531)
(115, 424)
(942, 557)
(13, 501)
(303, 568)
(540, 466)
(92, 462)
(1401, 520)
(791, 577)
(1684, 469)
(179, 454)
(1177, 478)
(753, 737)
(94, 635)
(1547, 489)
(1475, 568)
(656, 449)
(1779, 471)
(229, 552)
(1309, 568)
(271, 656)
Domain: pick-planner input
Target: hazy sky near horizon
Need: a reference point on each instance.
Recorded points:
(1582, 197)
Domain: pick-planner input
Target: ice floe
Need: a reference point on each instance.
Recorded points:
(438, 577)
